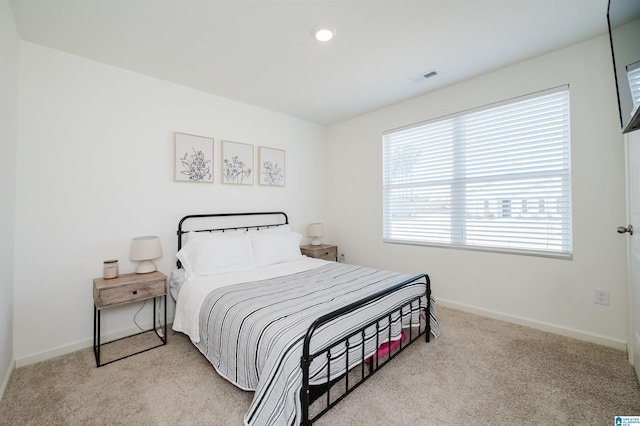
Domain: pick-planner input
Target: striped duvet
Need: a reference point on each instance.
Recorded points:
(252, 333)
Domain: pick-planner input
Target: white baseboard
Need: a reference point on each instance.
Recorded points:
(539, 325)
(7, 377)
(83, 344)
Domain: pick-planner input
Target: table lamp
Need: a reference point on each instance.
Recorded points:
(145, 249)
(315, 231)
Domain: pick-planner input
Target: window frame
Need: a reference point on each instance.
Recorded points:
(459, 213)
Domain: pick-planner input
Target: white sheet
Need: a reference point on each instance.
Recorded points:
(193, 292)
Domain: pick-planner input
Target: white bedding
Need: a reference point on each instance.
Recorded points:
(191, 293)
(252, 333)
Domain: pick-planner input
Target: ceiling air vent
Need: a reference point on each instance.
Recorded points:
(422, 77)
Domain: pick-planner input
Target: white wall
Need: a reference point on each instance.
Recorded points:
(9, 58)
(95, 168)
(547, 293)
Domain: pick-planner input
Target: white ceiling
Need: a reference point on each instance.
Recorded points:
(261, 52)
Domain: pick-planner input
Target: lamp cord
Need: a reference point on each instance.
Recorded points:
(136, 315)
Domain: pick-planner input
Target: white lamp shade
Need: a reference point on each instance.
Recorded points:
(315, 231)
(145, 249)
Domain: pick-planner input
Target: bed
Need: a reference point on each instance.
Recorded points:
(301, 333)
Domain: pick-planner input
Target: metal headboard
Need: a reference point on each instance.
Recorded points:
(231, 221)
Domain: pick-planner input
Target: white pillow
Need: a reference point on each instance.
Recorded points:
(270, 248)
(217, 254)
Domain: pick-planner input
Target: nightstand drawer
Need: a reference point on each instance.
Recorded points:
(130, 293)
(128, 288)
(325, 251)
(328, 254)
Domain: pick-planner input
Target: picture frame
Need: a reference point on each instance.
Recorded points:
(272, 166)
(237, 163)
(192, 158)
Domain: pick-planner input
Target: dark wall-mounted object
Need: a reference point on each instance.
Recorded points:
(623, 18)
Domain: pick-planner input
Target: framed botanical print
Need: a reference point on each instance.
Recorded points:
(237, 163)
(192, 158)
(272, 170)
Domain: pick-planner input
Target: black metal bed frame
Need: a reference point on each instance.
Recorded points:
(352, 379)
(308, 393)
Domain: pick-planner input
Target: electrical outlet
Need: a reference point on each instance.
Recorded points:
(601, 296)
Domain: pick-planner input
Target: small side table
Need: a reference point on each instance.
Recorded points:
(127, 288)
(323, 251)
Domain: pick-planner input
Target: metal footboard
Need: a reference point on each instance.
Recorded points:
(325, 396)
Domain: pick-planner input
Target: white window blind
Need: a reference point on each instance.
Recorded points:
(633, 74)
(495, 178)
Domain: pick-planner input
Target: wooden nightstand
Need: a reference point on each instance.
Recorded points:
(127, 288)
(323, 251)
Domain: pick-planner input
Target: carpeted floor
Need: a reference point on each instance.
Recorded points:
(479, 372)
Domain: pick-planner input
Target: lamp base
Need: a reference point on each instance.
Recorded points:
(145, 267)
(315, 241)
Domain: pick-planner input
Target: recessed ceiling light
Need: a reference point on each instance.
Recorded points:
(323, 32)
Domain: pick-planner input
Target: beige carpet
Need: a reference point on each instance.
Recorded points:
(479, 372)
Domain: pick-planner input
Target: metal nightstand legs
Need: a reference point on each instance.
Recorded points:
(96, 333)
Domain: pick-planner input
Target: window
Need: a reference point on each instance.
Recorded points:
(633, 74)
(495, 178)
